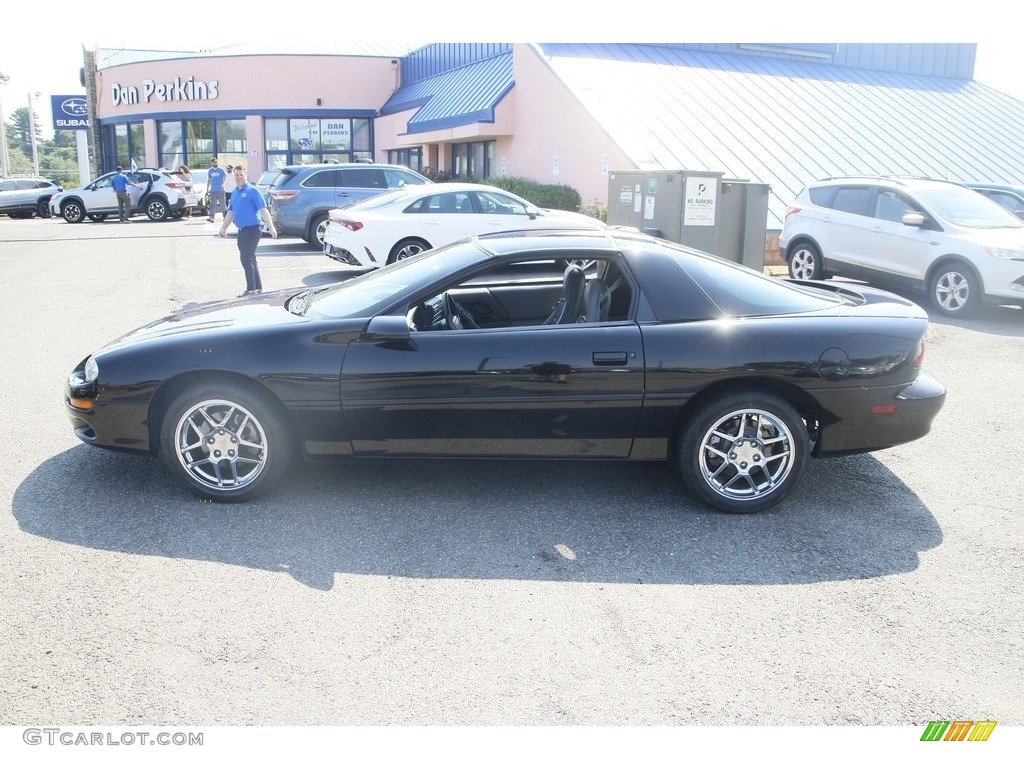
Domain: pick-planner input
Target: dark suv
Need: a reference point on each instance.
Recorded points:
(302, 195)
(23, 198)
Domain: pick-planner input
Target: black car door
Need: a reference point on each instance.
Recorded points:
(555, 391)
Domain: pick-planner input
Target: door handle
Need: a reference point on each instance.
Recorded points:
(609, 358)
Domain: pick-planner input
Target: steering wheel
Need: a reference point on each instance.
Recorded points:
(456, 315)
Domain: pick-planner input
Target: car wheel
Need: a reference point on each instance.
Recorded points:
(225, 441)
(317, 231)
(743, 451)
(43, 209)
(156, 209)
(406, 248)
(805, 263)
(97, 216)
(954, 290)
(72, 212)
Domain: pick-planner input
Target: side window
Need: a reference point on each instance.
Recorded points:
(323, 179)
(891, 206)
(822, 195)
(1009, 202)
(26, 184)
(396, 178)
(852, 200)
(7, 186)
(455, 202)
(364, 178)
(502, 205)
(104, 182)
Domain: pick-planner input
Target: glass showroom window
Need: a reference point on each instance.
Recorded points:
(304, 140)
(198, 142)
(231, 146)
(410, 158)
(275, 136)
(362, 139)
(170, 144)
(122, 142)
(474, 160)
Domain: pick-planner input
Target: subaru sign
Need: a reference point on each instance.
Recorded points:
(70, 113)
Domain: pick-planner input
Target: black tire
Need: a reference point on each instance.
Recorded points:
(97, 216)
(954, 290)
(743, 451)
(805, 262)
(43, 209)
(21, 214)
(406, 248)
(242, 426)
(156, 208)
(72, 211)
(317, 230)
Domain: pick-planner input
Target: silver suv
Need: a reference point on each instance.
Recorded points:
(163, 194)
(911, 233)
(25, 197)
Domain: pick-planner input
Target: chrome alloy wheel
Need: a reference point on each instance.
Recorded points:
(407, 250)
(952, 291)
(803, 265)
(746, 454)
(220, 444)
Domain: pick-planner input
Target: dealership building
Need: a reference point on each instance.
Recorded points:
(780, 115)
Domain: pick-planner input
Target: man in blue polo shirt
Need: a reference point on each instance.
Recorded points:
(248, 210)
(120, 184)
(215, 179)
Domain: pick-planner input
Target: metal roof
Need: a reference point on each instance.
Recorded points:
(786, 123)
(459, 96)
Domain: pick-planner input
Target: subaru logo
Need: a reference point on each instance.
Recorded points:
(76, 107)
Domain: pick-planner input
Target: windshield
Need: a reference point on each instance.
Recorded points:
(967, 208)
(375, 291)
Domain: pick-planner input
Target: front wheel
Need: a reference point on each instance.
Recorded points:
(744, 451)
(43, 209)
(225, 441)
(97, 217)
(72, 212)
(954, 290)
(805, 263)
(407, 248)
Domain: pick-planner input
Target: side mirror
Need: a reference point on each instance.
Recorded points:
(914, 219)
(389, 329)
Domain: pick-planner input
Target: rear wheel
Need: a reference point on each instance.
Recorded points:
(317, 231)
(43, 209)
(97, 216)
(743, 451)
(406, 248)
(805, 263)
(72, 212)
(954, 290)
(156, 209)
(225, 441)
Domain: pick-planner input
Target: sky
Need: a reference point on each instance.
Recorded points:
(50, 66)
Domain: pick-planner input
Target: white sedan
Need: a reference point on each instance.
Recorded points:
(395, 225)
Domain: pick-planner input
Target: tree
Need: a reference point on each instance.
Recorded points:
(23, 129)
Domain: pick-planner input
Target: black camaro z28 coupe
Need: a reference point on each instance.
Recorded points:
(569, 345)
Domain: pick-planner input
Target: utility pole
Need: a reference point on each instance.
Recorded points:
(5, 160)
(32, 131)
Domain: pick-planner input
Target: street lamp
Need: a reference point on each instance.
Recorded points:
(32, 131)
(5, 162)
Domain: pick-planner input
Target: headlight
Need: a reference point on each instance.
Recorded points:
(86, 373)
(1005, 253)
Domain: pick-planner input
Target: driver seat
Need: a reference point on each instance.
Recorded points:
(570, 306)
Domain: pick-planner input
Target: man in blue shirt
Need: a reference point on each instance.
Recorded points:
(120, 184)
(248, 210)
(215, 185)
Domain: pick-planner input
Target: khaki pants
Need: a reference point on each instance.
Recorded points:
(124, 205)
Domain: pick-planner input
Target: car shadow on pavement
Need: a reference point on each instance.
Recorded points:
(850, 518)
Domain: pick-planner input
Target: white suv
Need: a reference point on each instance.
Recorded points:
(160, 194)
(921, 234)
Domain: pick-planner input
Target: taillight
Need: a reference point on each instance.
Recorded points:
(919, 354)
(348, 224)
(175, 184)
(283, 194)
(793, 209)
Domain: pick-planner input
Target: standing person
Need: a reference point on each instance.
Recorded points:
(215, 180)
(248, 210)
(187, 174)
(120, 184)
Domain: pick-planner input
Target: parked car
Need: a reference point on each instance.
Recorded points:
(921, 234)
(1010, 197)
(487, 348)
(199, 183)
(25, 197)
(302, 195)
(264, 182)
(163, 194)
(396, 225)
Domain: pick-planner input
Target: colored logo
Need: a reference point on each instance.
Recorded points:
(958, 730)
(75, 107)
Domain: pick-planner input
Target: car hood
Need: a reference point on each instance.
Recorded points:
(1001, 237)
(217, 318)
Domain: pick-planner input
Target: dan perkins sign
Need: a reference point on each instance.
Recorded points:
(701, 197)
(177, 89)
(70, 113)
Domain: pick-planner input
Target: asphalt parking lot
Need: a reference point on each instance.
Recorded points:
(884, 591)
